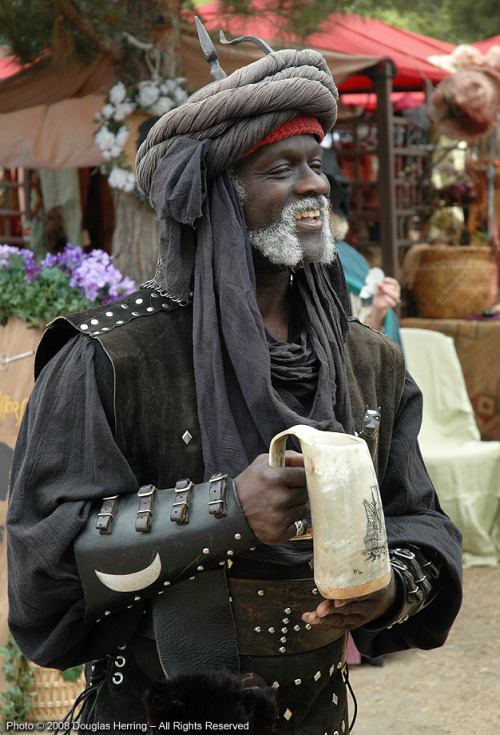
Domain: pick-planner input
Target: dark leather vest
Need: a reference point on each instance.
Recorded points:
(148, 339)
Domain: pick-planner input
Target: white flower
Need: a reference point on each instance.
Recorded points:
(104, 138)
(147, 94)
(117, 93)
(122, 136)
(163, 105)
(121, 179)
(180, 96)
(108, 111)
(124, 110)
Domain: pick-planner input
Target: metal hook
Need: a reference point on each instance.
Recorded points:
(263, 45)
(209, 52)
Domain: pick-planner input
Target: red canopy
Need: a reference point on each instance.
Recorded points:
(348, 35)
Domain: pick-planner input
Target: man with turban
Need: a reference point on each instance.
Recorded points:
(148, 533)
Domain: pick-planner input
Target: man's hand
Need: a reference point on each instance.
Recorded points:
(345, 615)
(273, 498)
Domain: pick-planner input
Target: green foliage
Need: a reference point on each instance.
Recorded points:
(39, 301)
(16, 701)
(72, 674)
(31, 27)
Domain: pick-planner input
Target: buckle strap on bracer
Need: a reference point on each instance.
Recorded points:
(158, 538)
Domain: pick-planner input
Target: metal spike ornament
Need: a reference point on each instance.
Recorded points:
(210, 52)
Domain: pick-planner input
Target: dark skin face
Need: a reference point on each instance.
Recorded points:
(275, 175)
(280, 173)
(273, 498)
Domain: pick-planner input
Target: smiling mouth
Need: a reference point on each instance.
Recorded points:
(308, 214)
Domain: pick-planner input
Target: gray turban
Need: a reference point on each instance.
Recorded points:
(237, 112)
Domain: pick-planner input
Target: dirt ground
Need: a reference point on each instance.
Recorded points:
(454, 690)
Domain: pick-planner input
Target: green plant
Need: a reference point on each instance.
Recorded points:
(16, 701)
(64, 283)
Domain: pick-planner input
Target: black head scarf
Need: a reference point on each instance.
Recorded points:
(249, 387)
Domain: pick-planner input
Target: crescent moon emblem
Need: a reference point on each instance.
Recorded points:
(134, 581)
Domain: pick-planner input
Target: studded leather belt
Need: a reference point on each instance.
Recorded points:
(268, 616)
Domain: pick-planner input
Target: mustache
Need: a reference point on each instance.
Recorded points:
(316, 201)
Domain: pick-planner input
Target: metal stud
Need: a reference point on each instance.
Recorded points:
(138, 301)
(124, 306)
(308, 626)
(284, 630)
(297, 682)
(120, 321)
(84, 326)
(107, 612)
(331, 669)
(315, 591)
(287, 610)
(258, 629)
(237, 536)
(287, 715)
(335, 699)
(271, 630)
(150, 308)
(206, 550)
(200, 568)
(317, 676)
(166, 583)
(283, 640)
(282, 649)
(260, 593)
(339, 665)
(109, 313)
(296, 628)
(94, 321)
(286, 620)
(186, 437)
(137, 598)
(135, 313)
(230, 552)
(275, 685)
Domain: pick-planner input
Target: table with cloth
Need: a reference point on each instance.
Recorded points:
(457, 367)
(478, 348)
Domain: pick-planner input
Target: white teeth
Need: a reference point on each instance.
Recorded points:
(311, 213)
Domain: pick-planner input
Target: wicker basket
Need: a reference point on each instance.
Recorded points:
(453, 281)
(52, 695)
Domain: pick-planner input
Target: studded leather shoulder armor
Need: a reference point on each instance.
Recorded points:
(100, 320)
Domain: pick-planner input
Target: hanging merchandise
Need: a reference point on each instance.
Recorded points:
(466, 105)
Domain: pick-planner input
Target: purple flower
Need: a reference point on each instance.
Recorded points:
(27, 256)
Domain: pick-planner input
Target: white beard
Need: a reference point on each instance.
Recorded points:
(279, 242)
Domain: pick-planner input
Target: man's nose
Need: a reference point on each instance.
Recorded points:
(312, 182)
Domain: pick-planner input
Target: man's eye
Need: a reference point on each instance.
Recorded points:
(280, 171)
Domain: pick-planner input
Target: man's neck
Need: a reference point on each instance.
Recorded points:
(274, 302)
